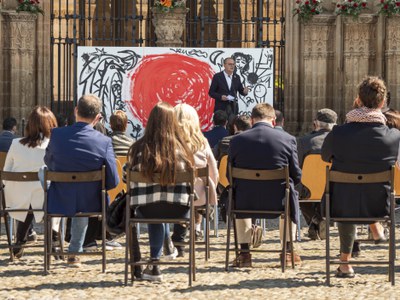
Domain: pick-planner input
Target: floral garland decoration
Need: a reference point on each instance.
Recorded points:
(306, 9)
(350, 7)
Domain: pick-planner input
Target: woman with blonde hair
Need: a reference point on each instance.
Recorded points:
(162, 149)
(203, 156)
(26, 155)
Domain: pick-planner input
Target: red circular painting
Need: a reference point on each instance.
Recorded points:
(171, 78)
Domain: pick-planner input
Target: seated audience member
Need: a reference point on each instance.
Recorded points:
(8, 134)
(62, 120)
(392, 118)
(26, 155)
(280, 120)
(363, 145)
(219, 131)
(121, 142)
(240, 124)
(79, 148)
(94, 229)
(162, 149)
(262, 147)
(312, 144)
(189, 121)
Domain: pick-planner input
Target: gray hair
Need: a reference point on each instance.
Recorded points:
(323, 125)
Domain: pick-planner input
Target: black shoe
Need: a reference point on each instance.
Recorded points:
(18, 249)
(313, 232)
(152, 273)
(181, 251)
(137, 272)
(356, 249)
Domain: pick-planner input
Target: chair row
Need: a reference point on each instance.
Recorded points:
(189, 177)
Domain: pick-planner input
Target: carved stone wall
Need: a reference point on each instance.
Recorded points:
(18, 63)
(327, 57)
(24, 61)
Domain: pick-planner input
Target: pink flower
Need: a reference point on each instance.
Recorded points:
(397, 3)
(307, 2)
(386, 6)
(363, 4)
(313, 10)
(355, 5)
(338, 5)
(382, 1)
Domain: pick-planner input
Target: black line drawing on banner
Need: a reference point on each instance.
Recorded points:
(102, 74)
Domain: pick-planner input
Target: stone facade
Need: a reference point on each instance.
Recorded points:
(25, 61)
(327, 57)
(324, 59)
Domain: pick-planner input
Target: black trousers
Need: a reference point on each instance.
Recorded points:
(23, 228)
(311, 212)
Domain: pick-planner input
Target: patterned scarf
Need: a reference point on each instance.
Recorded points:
(365, 115)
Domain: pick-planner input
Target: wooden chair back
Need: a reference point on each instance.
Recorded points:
(121, 185)
(396, 182)
(188, 177)
(314, 176)
(358, 178)
(2, 159)
(259, 175)
(4, 211)
(74, 177)
(223, 164)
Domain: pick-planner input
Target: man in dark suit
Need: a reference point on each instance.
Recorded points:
(8, 134)
(312, 143)
(219, 131)
(240, 124)
(80, 148)
(224, 88)
(263, 147)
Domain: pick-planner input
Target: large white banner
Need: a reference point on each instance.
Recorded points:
(134, 79)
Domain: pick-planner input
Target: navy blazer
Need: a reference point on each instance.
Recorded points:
(79, 148)
(360, 148)
(264, 147)
(219, 87)
(6, 138)
(215, 135)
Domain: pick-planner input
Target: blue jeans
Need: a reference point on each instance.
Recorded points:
(78, 233)
(157, 232)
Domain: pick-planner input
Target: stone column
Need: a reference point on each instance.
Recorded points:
(18, 64)
(392, 58)
(359, 57)
(318, 63)
(43, 59)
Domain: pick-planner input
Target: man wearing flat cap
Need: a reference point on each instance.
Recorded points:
(311, 144)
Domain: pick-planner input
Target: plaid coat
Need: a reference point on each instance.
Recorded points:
(146, 193)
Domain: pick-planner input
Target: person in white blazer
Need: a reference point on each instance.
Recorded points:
(26, 155)
(203, 156)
